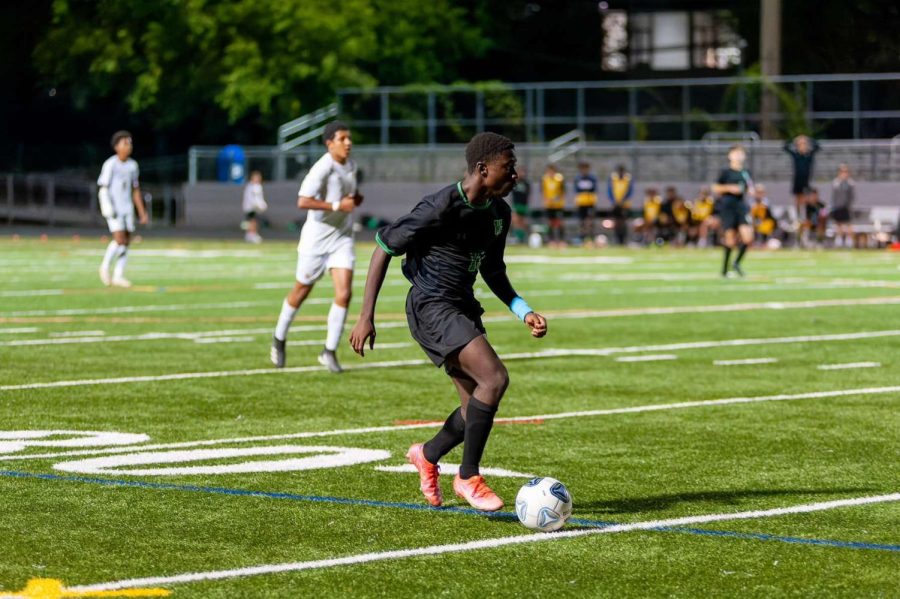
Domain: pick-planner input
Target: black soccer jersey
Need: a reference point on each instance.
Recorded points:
(803, 163)
(730, 176)
(447, 241)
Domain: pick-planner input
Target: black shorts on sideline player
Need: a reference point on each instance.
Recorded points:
(841, 215)
(442, 328)
(733, 214)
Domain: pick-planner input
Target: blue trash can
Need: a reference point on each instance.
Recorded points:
(231, 164)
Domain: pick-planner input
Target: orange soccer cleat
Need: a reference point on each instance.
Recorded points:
(477, 493)
(428, 475)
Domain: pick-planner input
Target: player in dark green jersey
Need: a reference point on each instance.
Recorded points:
(733, 184)
(449, 238)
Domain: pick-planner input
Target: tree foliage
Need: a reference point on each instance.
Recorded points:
(269, 60)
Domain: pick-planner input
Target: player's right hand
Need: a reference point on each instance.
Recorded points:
(537, 324)
(347, 204)
(363, 331)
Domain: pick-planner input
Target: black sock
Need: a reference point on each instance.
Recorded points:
(742, 249)
(479, 420)
(451, 434)
(727, 258)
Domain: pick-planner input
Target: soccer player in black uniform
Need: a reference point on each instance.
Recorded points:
(802, 150)
(734, 182)
(448, 238)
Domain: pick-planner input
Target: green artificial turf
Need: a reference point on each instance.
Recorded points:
(59, 324)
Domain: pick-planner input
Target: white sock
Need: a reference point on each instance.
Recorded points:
(119, 270)
(284, 320)
(111, 250)
(337, 316)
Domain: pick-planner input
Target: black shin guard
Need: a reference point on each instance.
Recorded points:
(479, 420)
(725, 264)
(451, 434)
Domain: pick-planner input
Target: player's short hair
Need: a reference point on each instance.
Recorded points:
(737, 147)
(332, 128)
(117, 137)
(485, 147)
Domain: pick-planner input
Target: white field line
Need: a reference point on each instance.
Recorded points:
(511, 419)
(189, 336)
(648, 358)
(849, 365)
(316, 301)
(737, 287)
(77, 334)
(773, 305)
(133, 309)
(550, 353)
(180, 253)
(31, 292)
(364, 558)
(745, 362)
(18, 330)
(208, 340)
(542, 259)
(615, 313)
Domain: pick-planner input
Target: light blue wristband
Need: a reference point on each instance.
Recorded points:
(520, 307)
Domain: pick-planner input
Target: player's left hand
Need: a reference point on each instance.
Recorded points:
(537, 324)
(143, 218)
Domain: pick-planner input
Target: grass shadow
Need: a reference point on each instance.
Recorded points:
(653, 503)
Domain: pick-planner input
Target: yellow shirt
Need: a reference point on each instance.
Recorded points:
(762, 218)
(553, 187)
(651, 208)
(620, 187)
(702, 209)
(682, 212)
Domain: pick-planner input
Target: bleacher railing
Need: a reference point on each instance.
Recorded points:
(850, 106)
(695, 161)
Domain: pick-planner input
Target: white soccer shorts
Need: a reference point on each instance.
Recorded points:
(121, 223)
(311, 267)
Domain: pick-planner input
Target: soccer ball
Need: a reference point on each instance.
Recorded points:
(543, 504)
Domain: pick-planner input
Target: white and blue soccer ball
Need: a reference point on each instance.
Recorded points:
(543, 504)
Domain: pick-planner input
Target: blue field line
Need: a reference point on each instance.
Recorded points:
(758, 536)
(427, 508)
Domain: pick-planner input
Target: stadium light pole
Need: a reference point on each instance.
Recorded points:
(770, 61)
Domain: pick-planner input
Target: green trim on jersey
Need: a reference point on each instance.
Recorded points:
(384, 246)
(466, 199)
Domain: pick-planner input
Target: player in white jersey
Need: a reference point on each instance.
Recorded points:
(326, 242)
(253, 204)
(120, 193)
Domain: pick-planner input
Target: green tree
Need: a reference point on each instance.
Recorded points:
(264, 60)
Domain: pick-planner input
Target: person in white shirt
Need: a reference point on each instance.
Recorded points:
(326, 242)
(254, 204)
(120, 194)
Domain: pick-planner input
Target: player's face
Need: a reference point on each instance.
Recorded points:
(737, 158)
(500, 174)
(340, 145)
(124, 148)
